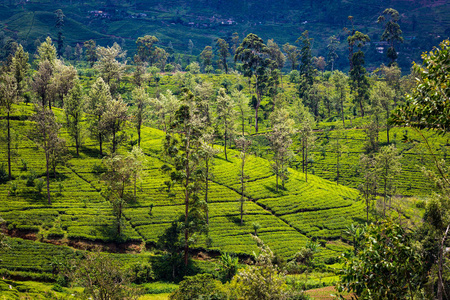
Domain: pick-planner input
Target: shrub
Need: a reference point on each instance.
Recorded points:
(201, 286)
(3, 174)
(31, 178)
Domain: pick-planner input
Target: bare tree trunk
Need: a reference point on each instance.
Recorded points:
(9, 148)
(48, 177)
(306, 160)
(225, 144)
(206, 190)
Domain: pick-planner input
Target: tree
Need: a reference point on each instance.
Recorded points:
(45, 135)
(62, 80)
(207, 56)
(146, 48)
(165, 107)
(73, 108)
(59, 24)
(200, 286)
(359, 83)
(339, 148)
(19, 68)
(110, 69)
(280, 144)
(292, 55)
(427, 107)
(276, 55)
(182, 144)
(103, 277)
(46, 51)
(135, 159)
(243, 144)
(117, 176)
(208, 152)
(190, 47)
(113, 122)
(8, 96)
(340, 85)
(242, 104)
(306, 63)
(392, 32)
(41, 84)
(141, 101)
(91, 52)
(222, 47)
(368, 187)
(383, 95)
(262, 281)
(97, 100)
(332, 47)
(225, 116)
(387, 267)
(306, 123)
(388, 168)
(253, 54)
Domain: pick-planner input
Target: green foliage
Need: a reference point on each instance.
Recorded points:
(388, 253)
(201, 286)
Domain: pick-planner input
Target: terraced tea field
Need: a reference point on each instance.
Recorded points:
(317, 209)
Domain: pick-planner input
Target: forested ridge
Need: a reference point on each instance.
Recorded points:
(247, 169)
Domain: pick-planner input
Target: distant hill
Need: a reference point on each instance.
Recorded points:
(424, 23)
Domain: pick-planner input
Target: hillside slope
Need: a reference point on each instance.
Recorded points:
(314, 209)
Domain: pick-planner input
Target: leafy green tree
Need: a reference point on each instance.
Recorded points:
(45, 135)
(97, 100)
(19, 68)
(222, 47)
(207, 56)
(140, 100)
(8, 96)
(332, 47)
(427, 107)
(243, 144)
(59, 24)
(113, 122)
(103, 277)
(182, 144)
(392, 32)
(262, 281)
(73, 109)
(276, 55)
(253, 54)
(387, 266)
(368, 186)
(388, 168)
(117, 177)
(200, 286)
(46, 51)
(208, 152)
(228, 266)
(61, 82)
(292, 55)
(305, 123)
(165, 107)
(110, 69)
(242, 105)
(41, 83)
(382, 95)
(280, 144)
(136, 158)
(226, 116)
(91, 52)
(306, 63)
(359, 83)
(340, 92)
(146, 47)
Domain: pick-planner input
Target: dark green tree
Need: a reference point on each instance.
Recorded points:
(332, 55)
(183, 142)
(222, 47)
(392, 32)
(59, 24)
(253, 53)
(91, 52)
(359, 83)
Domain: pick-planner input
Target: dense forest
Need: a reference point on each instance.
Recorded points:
(237, 164)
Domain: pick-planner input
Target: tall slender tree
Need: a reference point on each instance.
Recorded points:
(243, 144)
(73, 108)
(226, 116)
(8, 96)
(222, 47)
(141, 101)
(392, 32)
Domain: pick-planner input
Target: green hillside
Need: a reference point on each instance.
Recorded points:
(314, 209)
